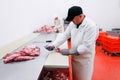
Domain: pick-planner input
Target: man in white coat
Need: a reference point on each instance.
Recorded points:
(83, 33)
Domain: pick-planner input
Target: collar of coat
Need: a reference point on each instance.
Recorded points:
(83, 23)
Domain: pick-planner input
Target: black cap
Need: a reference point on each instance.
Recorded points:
(73, 11)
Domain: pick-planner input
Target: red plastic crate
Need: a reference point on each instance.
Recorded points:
(112, 38)
(101, 37)
(111, 43)
(111, 49)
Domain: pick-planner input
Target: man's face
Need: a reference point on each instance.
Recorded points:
(77, 19)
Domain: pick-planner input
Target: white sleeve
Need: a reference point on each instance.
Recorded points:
(89, 39)
(62, 37)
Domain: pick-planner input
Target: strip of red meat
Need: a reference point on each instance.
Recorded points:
(11, 57)
(46, 28)
(23, 58)
(35, 51)
(26, 53)
(30, 51)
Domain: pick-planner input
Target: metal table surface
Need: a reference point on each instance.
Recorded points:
(27, 70)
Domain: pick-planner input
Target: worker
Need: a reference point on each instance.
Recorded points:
(83, 33)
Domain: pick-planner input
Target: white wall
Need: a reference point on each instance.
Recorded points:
(20, 17)
(106, 13)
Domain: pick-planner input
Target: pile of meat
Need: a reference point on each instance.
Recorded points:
(55, 75)
(26, 53)
(47, 29)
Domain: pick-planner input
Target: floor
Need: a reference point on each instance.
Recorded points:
(106, 67)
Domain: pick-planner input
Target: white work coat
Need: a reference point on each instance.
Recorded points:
(84, 39)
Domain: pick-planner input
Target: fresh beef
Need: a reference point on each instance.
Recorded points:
(30, 51)
(47, 28)
(23, 58)
(10, 57)
(55, 75)
(26, 53)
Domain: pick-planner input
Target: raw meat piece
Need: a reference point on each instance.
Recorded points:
(8, 54)
(30, 51)
(26, 53)
(55, 75)
(11, 57)
(23, 58)
(47, 28)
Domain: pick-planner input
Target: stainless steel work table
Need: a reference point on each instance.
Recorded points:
(30, 70)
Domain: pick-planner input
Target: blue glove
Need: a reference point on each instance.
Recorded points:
(72, 51)
(49, 48)
(64, 51)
